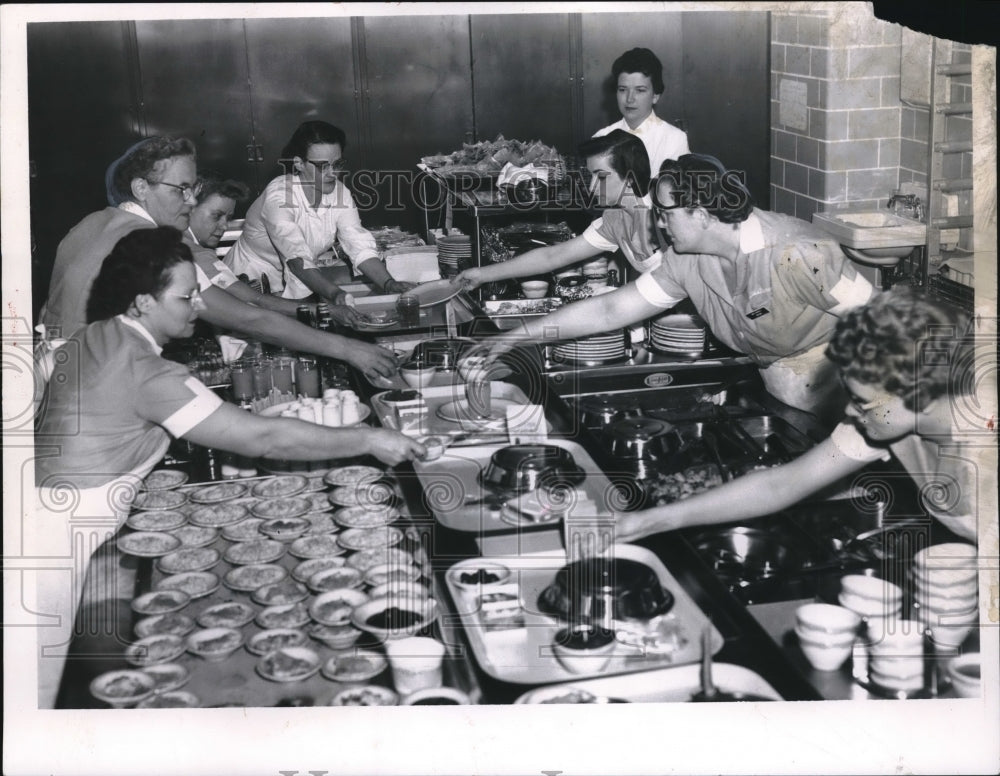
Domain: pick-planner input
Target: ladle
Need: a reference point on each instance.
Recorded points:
(709, 693)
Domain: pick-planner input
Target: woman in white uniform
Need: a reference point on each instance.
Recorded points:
(111, 407)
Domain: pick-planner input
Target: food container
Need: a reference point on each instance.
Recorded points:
(642, 439)
(395, 616)
(965, 673)
(417, 374)
(534, 289)
(603, 410)
(584, 649)
(520, 468)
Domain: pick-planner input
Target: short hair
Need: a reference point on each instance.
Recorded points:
(211, 183)
(310, 133)
(627, 154)
(640, 60)
(702, 181)
(139, 263)
(908, 344)
(141, 160)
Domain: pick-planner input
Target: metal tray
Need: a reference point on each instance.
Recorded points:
(456, 499)
(525, 656)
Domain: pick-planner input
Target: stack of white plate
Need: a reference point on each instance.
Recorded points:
(454, 254)
(678, 334)
(597, 349)
(946, 582)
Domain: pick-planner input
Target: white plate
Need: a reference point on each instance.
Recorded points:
(283, 616)
(287, 508)
(148, 544)
(316, 547)
(167, 520)
(196, 584)
(168, 676)
(366, 517)
(332, 579)
(203, 643)
(362, 493)
(424, 610)
(336, 606)
(231, 614)
(310, 664)
(169, 624)
(360, 665)
(246, 579)
(284, 529)
(288, 591)
(123, 687)
(365, 559)
(257, 552)
(154, 649)
(158, 500)
(370, 538)
(195, 535)
(307, 568)
(218, 515)
(435, 292)
(352, 475)
(280, 486)
(246, 530)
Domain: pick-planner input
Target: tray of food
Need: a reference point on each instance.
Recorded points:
(537, 619)
(519, 308)
(489, 489)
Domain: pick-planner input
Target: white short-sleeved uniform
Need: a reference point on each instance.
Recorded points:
(628, 230)
(662, 140)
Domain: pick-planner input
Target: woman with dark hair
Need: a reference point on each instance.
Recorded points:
(299, 215)
(113, 403)
(638, 76)
(907, 364)
(619, 179)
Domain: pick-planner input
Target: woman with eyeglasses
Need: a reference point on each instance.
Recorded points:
(113, 403)
(299, 215)
(907, 364)
(618, 166)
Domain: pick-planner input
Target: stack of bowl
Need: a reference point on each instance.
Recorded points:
(896, 657)
(874, 600)
(826, 634)
(945, 582)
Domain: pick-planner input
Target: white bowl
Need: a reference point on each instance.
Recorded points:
(828, 656)
(534, 289)
(825, 639)
(583, 660)
(437, 696)
(826, 619)
(873, 588)
(336, 606)
(418, 377)
(953, 555)
(965, 672)
(395, 616)
(901, 638)
(215, 644)
(870, 608)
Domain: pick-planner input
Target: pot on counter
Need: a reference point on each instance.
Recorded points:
(603, 410)
(521, 468)
(643, 439)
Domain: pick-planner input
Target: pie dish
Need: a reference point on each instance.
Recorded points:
(365, 517)
(274, 639)
(315, 484)
(280, 486)
(196, 584)
(321, 523)
(365, 559)
(283, 616)
(289, 664)
(351, 475)
(405, 589)
(122, 688)
(214, 644)
(231, 614)
(318, 502)
(246, 579)
(307, 568)
(368, 695)
(395, 616)
(171, 700)
(244, 531)
(195, 535)
(336, 606)
(334, 579)
(334, 636)
(218, 515)
(148, 544)
(190, 559)
(168, 676)
(359, 665)
(364, 493)
(280, 507)
(157, 500)
(169, 624)
(284, 529)
(161, 602)
(259, 551)
(167, 520)
(164, 479)
(370, 538)
(320, 546)
(154, 649)
(216, 494)
(288, 591)
(385, 573)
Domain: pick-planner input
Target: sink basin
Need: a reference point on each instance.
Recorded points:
(874, 236)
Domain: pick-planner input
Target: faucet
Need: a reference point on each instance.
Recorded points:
(906, 205)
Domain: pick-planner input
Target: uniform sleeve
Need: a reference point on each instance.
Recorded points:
(821, 276)
(849, 441)
(223, 277)
(170, 396)
(658, 285)
(598, 235)
(358, 243)
(282, 229)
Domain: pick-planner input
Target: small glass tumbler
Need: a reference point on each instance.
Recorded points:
(308, 377)
(408, 307)
(261, 377)
(241, 375)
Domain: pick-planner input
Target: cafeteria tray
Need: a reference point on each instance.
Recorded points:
(666, 685)
(439, 398)
(456, 499)
(524, 655)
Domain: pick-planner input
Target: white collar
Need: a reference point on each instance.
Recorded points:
(194, 239)
(137, 210)
(134, 324)
(751, 234)
(647, 123)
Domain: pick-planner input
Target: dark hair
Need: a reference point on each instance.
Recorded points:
(702, 181)
(310, 133)
(627, 154)
(215, 184)
(640, 60)
(139, 263)
(141, 159)
(908, 344)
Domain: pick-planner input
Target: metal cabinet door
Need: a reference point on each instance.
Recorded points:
(300, 70)
(727, 92)
(194, 84)
(418, 101)
(606, 36)
(523, 78)
(81, 117)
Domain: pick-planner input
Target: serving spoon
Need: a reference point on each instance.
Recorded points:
(709, 693)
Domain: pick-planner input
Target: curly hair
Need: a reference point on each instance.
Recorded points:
(627, 155)
(907, 344)
(140, 161)
(640, 60)
(139, 263)
(702, 181)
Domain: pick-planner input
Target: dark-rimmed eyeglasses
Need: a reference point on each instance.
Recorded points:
(322, 165)
(188, 192)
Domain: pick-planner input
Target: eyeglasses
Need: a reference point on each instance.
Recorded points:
(188, 192)
(337, 165)
(194, 298)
